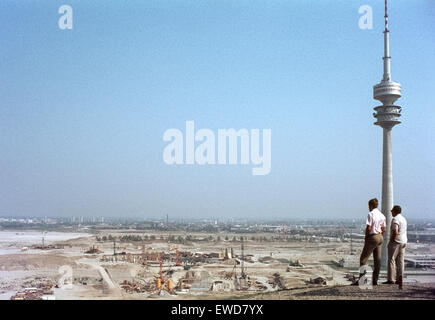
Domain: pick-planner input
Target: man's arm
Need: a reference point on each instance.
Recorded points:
(394, 232)
(368, 229)
(368, 225)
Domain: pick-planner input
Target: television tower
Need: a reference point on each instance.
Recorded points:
(387, 115)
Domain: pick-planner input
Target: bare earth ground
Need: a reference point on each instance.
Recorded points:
(21, 269)
(421, 291)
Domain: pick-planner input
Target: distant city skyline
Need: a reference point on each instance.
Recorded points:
(83, 111)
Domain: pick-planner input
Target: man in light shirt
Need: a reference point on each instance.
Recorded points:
(375, 228)
(396, 248)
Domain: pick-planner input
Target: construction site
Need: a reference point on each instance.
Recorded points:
(132, 266)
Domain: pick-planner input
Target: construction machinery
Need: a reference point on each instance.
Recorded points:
(94, 249)
(163, 284)
(162, 280)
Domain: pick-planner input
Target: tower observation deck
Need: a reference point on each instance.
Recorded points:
(387, 91)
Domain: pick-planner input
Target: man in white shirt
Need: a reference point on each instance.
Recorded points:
(375, 228)
(396, 248)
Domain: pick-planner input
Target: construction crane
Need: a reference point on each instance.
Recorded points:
(43, 239)
(243, 274)
(351, 237)
(161, 282)
(351, 244)
(161, 268)
(234, 271)
(160, 279)
(177, 255)
(145, 255)
(178, 260)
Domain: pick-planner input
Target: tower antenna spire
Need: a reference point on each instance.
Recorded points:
(386, 17)
(387, 58)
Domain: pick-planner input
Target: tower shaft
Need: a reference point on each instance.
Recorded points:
(387, 188)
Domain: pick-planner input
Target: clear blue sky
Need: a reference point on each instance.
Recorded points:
(83, 111)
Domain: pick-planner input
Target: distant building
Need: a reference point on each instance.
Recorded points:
(420, 261)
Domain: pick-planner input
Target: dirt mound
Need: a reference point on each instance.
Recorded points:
(10, 262)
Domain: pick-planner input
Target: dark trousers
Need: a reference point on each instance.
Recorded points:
(373, 244)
